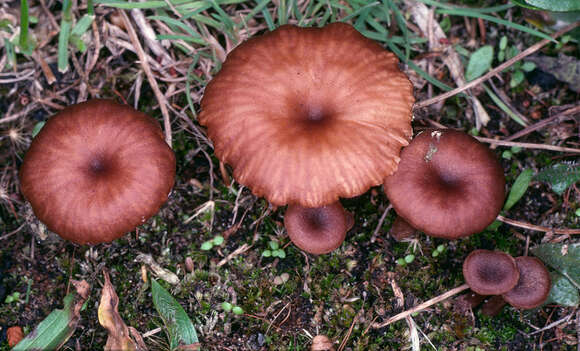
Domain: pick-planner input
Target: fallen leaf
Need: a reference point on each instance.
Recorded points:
(59, 325)
(14, 335)
(564, 68)
(110, 319)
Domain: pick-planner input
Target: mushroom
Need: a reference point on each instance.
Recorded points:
(97, 170)
(490, 272)
(305, 116)
(317, 230)
(447, 185)
(533, 286)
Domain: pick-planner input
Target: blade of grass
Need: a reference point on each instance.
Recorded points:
(121, 4)
(64, 36)
(282, 13)
(469, 13)
(177, 24)
(268, 19)
(181, 37)
(359, 11)
(256, 10)
(23, 41)
(418, 69)
(402, 24)
(90, 8)
(504, 107)
(491, 9)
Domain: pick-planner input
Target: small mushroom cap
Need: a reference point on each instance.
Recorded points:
(317, 230)
(96, 171)
(447, 185)
(490, 272)
(533, 286)
(307, 115)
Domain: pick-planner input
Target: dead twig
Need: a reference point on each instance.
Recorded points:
(529, 145)
(422, 306)
(236, 252)
(552, 325)
(571, 113)
(380, 224)
(144, 63)
(537, 228)
(498, 69)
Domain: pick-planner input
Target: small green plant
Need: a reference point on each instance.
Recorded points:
(406, 260)
(518, 68)
(274, 250)
(14, 297)
(228, 307)
(508, 154)
(438, 250)
(216, 241)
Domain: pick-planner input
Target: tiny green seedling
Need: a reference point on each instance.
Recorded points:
(274, 251)
(14, 297)
(518, 68)
(439, 250)
(508, 154)
(228, 307)
(406, 260)
(216, 241)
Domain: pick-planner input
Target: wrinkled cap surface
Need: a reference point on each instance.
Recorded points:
(447, 185)
(317, 230)
(533, 286)
(307, 115)
(490, 272)
(96, 171)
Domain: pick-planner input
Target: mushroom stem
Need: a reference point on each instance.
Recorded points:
(473, 299)
(493, 306)
(422, 306)
(401, 229)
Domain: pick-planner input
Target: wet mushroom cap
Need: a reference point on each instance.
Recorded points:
(533, 286)
(317, 230)
(307, 115)
(447, 185)
(490, 272)
(96, 171)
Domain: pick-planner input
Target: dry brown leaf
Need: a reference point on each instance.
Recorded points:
(110, 319)
(14, 335)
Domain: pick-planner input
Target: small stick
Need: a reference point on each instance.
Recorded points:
(380, 224)
(422, 306)
(145, 64)
(545, 122)
(498, 69)
(529, 145)
(536, 228)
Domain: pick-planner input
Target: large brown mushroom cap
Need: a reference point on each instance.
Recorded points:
(317, 230)
(97, 170)
(533, 286)
(307, 115)
(447, 184)
(490, 272)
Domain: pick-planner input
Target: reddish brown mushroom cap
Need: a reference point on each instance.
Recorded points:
(307, 115)
(317, 230)
(533, 286)
(447, 184)
(490, 272)
(97, 170)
